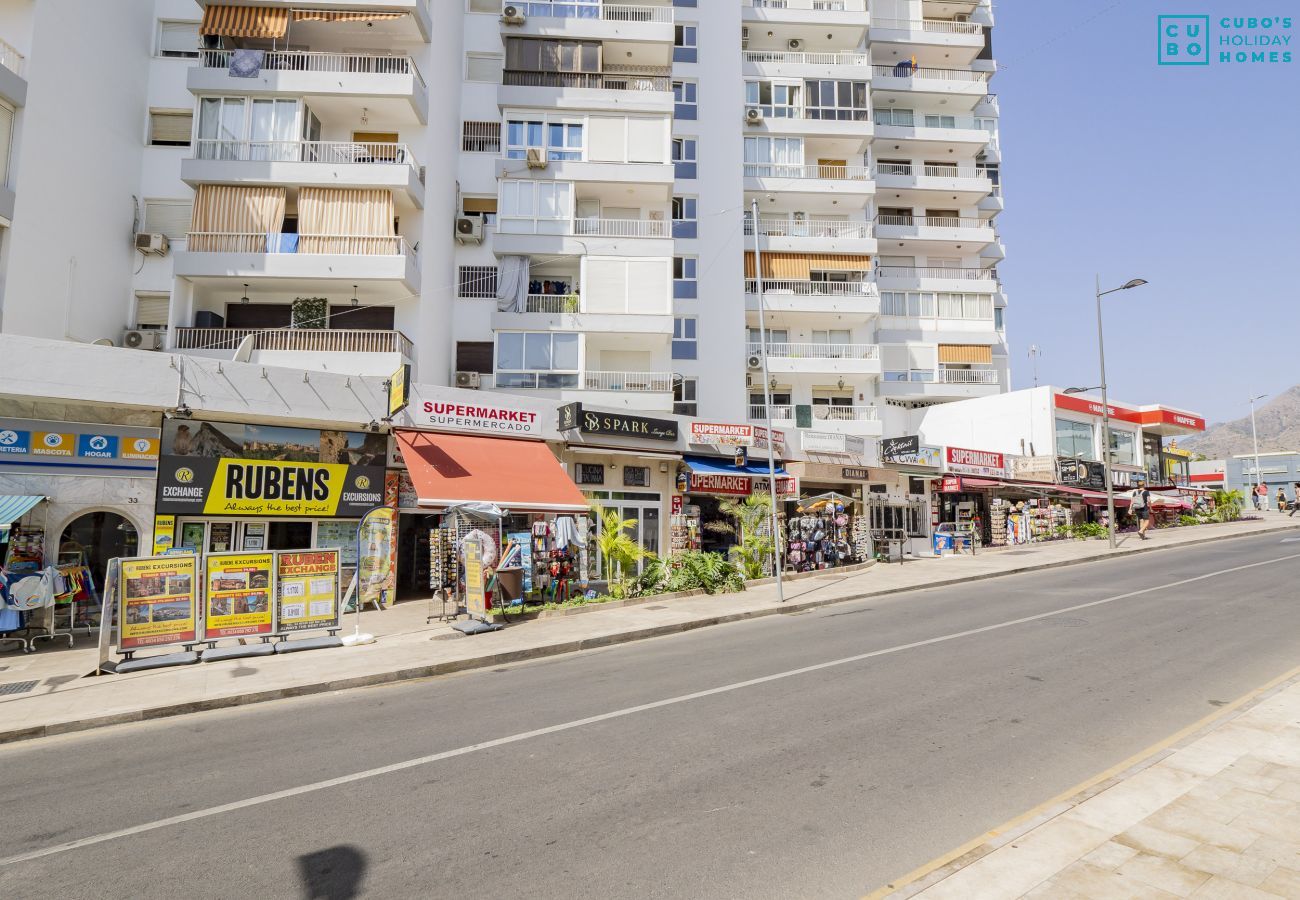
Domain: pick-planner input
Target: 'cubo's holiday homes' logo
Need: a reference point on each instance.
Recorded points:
(1188, 41)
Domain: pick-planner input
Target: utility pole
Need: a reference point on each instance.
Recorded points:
(767, 409)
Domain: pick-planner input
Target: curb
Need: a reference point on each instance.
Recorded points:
(557, 649)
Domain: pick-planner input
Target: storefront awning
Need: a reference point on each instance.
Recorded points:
(716, 476)
(520, 476)
(704, 465)
(14, 506)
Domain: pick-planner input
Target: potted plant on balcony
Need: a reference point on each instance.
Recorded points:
(309, 312)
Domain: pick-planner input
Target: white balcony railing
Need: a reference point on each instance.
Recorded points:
(304, 245)
(885, 118)
(11, 59)
(595, 9)
(787, 170)
(968, 376)
(811, 5)
(612, 80)
(305, 151)
(930, 171)
(551, 303)
(643, 382)
(791, 112)
(804, 58)
(817, 350)
(932, 26)
(933, 221)
(759, 413)
(906, 70)
(321, 61)
(810, 228)
(862, 289)
(306, 340)
(621, 227)
(829, 413)
(936, 272)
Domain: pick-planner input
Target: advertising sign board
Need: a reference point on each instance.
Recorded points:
(237, 602)
(157, 601)
(307, 589)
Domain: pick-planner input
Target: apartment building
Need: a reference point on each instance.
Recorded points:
(549, 197)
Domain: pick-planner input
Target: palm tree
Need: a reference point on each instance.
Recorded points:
(618, 551)
(755, 549)
(1227, 505)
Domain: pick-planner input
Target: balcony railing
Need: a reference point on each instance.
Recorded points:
(622, 227)
(759, 413)
(803, 58)
(936, 272)
(968, 376)
(11, 59)
(906, 70)
(307, 244)
(321, 61)
(594, 9)
(929, 171)
(829, 413)
(817, 350)
(885, 118)
(551, 303)
(305, 151)
(932, 26)
(811, 228)
(816, 113)
(811, 5)
(306, 340)
(787, 170)
(642, 382)
(861, 289)
(933, 221)
(612, 80)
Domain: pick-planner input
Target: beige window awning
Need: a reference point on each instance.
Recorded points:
(234, 219)
(965, 353)
(479, 204)
(799, 266)
(246, 21)
(341, 15)
(353, 221)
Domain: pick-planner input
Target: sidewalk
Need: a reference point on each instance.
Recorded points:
(62, 700)
(1213, 815)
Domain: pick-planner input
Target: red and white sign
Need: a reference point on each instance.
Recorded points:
(1162, 416)
(722, 434)
(951, 484)
(492, 417)
(778, 439)
(740, 485)
(1093, 408)
(677, 502)
(976, 462)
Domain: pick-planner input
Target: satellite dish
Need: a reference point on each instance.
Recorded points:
(245, 351)
(102, 342)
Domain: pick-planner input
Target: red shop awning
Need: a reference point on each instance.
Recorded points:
(521, 476)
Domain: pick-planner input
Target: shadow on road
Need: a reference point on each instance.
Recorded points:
(334, 873)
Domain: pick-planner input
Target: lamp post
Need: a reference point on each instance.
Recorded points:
(767, 409)
(1105, 407)
(1254, 436)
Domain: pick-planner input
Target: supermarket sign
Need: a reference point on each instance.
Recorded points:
(975, 462)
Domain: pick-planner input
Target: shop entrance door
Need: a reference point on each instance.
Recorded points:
(642, 509)
(98, 537)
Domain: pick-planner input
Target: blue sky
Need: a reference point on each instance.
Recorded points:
(1185, 176)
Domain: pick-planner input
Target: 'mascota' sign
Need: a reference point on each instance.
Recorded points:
(589, 421)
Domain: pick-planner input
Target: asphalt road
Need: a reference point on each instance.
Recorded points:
(871, 737)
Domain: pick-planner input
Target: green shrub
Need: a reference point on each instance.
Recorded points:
(688, 571)
(1089, 530)
(1185, 519)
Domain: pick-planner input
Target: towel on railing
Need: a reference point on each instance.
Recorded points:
(246, 63)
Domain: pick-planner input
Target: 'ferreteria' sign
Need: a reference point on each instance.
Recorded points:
(589, 421)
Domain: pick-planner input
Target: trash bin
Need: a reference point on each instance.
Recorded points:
(510, 586)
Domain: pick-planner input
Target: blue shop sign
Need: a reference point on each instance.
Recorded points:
(15, 441)
(98, 446)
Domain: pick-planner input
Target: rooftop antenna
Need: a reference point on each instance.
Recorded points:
(1034, 352)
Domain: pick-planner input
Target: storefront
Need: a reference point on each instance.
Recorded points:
(225, 486)
(911, 497)
(710, 482)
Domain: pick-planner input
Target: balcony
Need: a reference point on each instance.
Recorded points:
(647, 391)
(814, 235)
(391, 86)
(946, 384)
(804, 64)
(623, 89)
(846, 420)
(906, 79)
(916, 132)
(817, 179)
(552, 312)
(381, 262)
(594, 20)
(570, 237)
(851, 126)
(798, 299)
(809, 19)
(343, 164)
(931, 37)
(355, 351)
(951, 229)
(969, 183)
(13, 75)
(935, 278)
(820, 359)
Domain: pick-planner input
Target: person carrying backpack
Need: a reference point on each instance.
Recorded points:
(1140, 504)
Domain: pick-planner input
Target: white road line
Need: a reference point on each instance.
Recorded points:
(590, 720)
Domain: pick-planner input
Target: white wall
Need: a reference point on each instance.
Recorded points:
(1005, 423)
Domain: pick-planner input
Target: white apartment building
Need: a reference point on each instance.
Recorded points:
(550, 197)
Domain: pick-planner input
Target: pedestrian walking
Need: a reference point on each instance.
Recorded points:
(1295, 504)
(1260, 495)
(1140, 504)
(1281, 500)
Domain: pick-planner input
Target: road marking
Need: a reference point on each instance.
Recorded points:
(1290, 541)
(285, 794)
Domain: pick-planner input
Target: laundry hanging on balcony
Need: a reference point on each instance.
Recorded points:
(246, 63)
(350, 221)
(245, 21)
(512, 284)
(236, 219)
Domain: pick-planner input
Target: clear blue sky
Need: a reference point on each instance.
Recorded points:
(1186, 176)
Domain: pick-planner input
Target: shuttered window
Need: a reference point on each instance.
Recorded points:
(480, 137)
(169, 217)
(178, 39)
(151, 309)
(484, 67)
(965, 353)
(170, 128)
(626, 286)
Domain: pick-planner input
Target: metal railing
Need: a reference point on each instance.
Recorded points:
(11, 59)
(551, 303)
(816, 350)
(804, 58)
(606, 81)
(595, 9)
(305, 151)
(788, 170)
(654, 382)
(933, 26)
(759, 413)
(811, 5)
(810, 228)
(862, 289)
(905, 70)
(968, 376)
(321, 61)
(308, 340)
(828, 412)
(930, 171)
(305, 244)
(933, 221)
(883, 118)
(622, 227)
(936, 272)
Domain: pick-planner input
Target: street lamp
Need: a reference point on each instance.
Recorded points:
(767, 408)
(1254, 436)
(1105, 407)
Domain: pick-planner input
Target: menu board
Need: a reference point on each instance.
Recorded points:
(238, 597)
(157, 601)
(308, 589)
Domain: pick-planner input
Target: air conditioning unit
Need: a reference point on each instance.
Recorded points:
(142, 339)
(511, 15)
(467, 380)
(469, 230)
(754, 361)
(536, 158)
(753, 116)
(151, 243)
(794, 44)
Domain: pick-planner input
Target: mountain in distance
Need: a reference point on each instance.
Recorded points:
(1278, 424)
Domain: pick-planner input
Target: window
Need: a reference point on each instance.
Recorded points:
(684, 284)
(890, 116)
(483, 208)
(537, 360)
(767, 157)
(684, 217)
(561, 140)
(535, 207)
(151, 309)
(480, 137)
(923, 305)
(562, 9)
(684, 43)
(684, 150)
(686, 397)
(484, 67)
(684, 341)
(6, 140)
(248, 128)
(485, 6)
(998, 318)
(774, 335)
(1074, 439)
(168, 217)
(1123, 448)
(841, 100)
(684, 99)
(477, 282)
(774, 99)
(474, 356)
(937, 121)
(170, 128)
(553, 55)
(178, 39)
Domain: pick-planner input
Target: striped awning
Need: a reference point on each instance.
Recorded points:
(798, 266)
(965, 353)
(246, 21)
(14, 506)
(342, 15)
